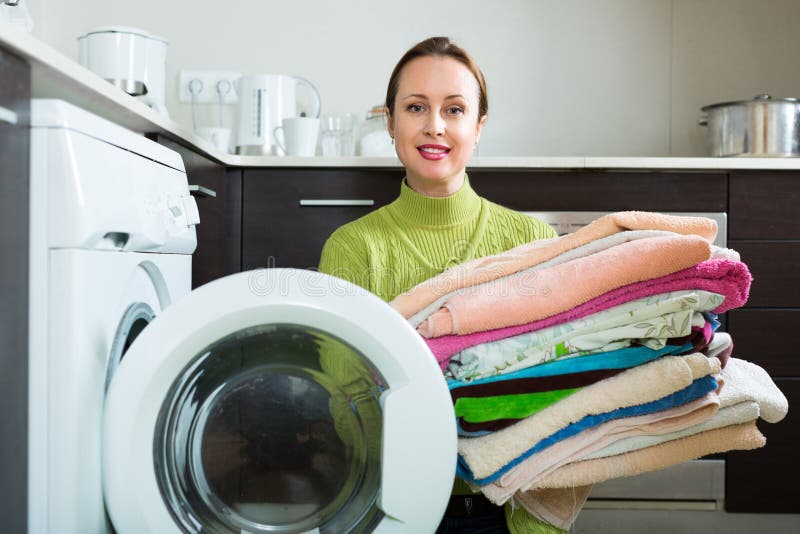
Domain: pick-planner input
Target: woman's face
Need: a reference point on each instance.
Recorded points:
(435, 123)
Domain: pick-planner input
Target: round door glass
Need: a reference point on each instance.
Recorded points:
(273, 429)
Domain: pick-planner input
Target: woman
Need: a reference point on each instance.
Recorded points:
(437, 107)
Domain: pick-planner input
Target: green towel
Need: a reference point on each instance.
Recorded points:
(518, 406)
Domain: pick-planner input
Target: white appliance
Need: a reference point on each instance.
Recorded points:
(264, 101)
(269, 401)
(111, 237)
(278, 400)
(131, 59)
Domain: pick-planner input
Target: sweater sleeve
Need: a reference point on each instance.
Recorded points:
(343, 258)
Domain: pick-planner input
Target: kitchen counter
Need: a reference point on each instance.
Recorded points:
(54, 75)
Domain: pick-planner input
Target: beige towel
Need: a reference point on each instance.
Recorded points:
(736, 437)
(638, 385)
(536, 295)
(481, 270)
(556, 506)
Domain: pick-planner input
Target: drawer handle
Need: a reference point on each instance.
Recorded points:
(335, 202)
(202, 192)
(6, 115)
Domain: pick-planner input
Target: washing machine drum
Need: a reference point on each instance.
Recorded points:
(278, 400)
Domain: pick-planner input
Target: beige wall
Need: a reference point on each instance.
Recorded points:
(566, 77)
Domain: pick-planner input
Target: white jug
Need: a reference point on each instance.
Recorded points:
(264, 101)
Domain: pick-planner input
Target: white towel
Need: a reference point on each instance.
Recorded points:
(747, 381)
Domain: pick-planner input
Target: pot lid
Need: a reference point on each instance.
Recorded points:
(758, 98)
(124, 29)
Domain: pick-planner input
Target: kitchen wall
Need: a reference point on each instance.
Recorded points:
(566, 77)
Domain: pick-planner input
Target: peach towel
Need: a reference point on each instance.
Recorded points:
(741, 437)
(535, 295)
(489, 268)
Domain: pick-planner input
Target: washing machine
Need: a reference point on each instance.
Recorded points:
(275, 400)
(112, 232)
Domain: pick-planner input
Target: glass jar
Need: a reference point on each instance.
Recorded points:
(374, 139)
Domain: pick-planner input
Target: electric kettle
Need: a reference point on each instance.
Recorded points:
(264, 101)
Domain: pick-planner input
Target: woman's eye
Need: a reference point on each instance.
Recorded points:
(414, 108)
(455, 110)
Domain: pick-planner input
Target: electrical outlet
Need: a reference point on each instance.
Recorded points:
(209, 79)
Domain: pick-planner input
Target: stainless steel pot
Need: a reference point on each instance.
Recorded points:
(761, 127)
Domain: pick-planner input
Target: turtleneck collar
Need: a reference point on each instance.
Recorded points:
(459, 207)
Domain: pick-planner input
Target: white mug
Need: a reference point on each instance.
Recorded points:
(298, 136)
(219, 137)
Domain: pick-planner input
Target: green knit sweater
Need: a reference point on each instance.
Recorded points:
(415, 238)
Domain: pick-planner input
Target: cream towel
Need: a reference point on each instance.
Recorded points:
(736, 437)
(748, 392)
(482, 270)
(645, 383)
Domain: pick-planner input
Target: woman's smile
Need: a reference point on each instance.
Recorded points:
(433, 152)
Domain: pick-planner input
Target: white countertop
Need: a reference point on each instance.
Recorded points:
(56, 76)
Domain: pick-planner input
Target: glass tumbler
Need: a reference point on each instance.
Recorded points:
(338, 134)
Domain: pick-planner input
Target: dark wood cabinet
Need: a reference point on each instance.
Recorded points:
(764, 480)
(15, 94)
(764, 228)
(289, 213)
(535, 190)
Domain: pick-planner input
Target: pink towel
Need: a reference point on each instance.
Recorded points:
(482, 270)
(535, 295)
(725, 277)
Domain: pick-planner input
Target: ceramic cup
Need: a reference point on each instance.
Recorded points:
(219, 137)
(297, 136)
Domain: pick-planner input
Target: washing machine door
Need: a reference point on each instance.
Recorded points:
(278, 400)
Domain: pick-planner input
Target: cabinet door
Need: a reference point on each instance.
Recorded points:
(765, 229)
(289, 213)
(765, 480)
(764, 205)
(15, 91)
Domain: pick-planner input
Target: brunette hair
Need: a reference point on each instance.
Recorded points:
(437, 47)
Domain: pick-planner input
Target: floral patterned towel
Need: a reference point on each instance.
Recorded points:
(651, 321)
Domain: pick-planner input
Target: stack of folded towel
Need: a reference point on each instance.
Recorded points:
(593, 356)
